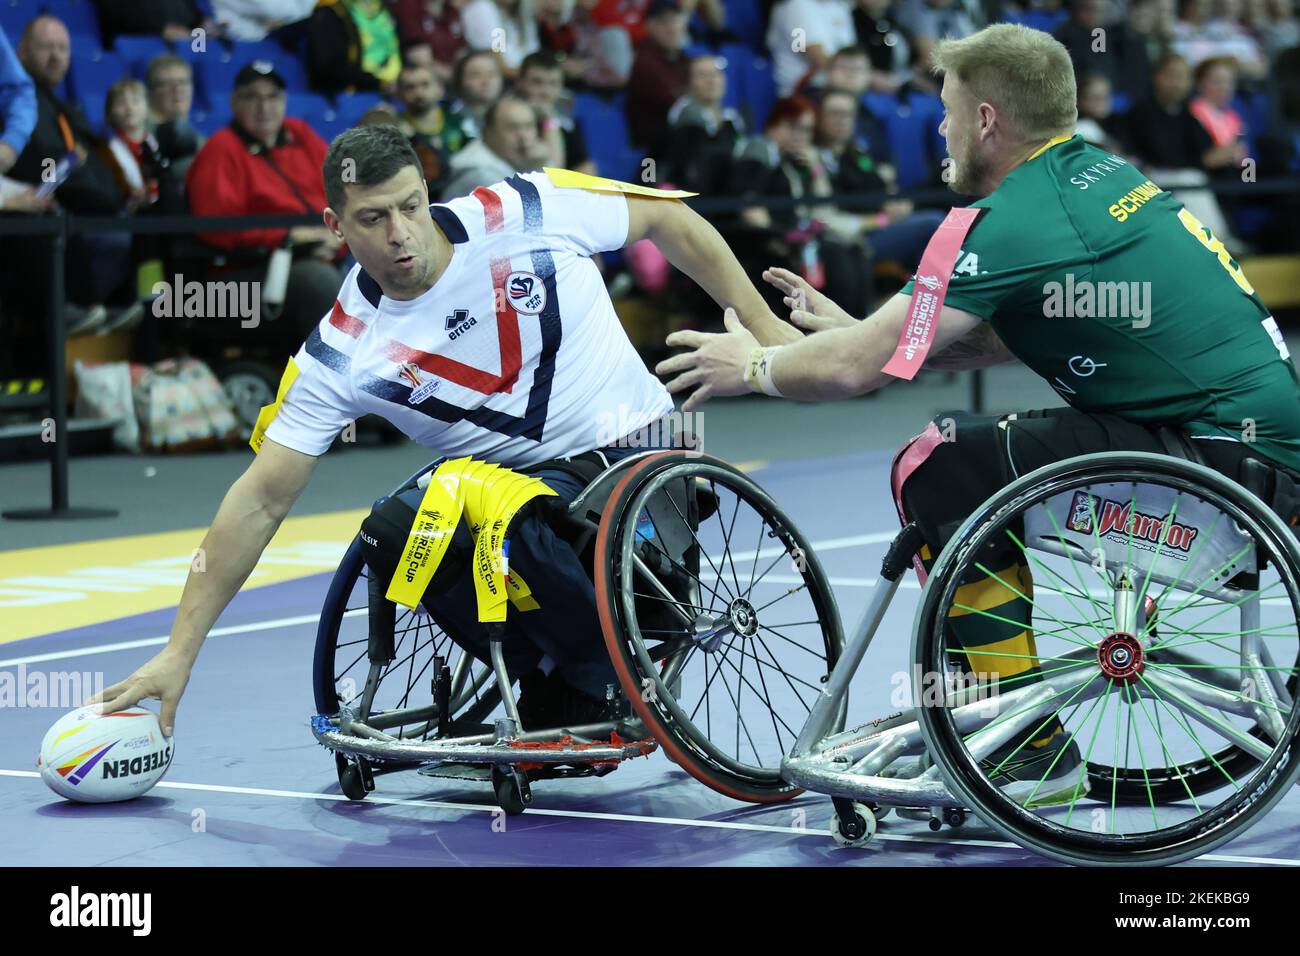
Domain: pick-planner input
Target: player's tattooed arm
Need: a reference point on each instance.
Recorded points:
(978, 348)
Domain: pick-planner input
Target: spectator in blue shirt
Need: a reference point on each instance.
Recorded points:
(17, 105)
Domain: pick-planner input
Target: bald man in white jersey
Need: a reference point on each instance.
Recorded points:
(479, 327)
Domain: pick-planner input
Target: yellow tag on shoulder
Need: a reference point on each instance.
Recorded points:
(268, 412)
(567, 178)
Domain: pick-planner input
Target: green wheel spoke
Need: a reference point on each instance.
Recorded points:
(1083, 766)
(1041, 727)
(1109, 586)
(1033, 604)
(1097, 607)
(1181, 718)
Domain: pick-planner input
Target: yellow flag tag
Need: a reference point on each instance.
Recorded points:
(568, 179)
(268, 412)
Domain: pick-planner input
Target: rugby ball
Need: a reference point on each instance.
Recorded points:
(103, 758)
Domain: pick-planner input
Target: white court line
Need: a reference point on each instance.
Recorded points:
(153, 641)
(625, 818)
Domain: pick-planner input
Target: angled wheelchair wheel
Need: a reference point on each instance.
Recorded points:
(428, 673)
(719, 620)
(1106, 656)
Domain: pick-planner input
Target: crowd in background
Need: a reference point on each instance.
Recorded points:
(801, 100)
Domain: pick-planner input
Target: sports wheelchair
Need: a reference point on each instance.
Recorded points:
(1164, 600)
(719, 623)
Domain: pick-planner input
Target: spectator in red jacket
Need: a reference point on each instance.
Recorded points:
(265, 163)
(660, 73)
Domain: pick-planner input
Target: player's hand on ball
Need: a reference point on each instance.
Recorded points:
(163, 678)
(809, 309)
(715, 366)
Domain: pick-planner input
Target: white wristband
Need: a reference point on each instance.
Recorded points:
(758, 371)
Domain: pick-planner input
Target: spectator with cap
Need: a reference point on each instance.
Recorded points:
(509, 144)
(659, 73)
(17, 105)
(433, 26)
(170, 19)
(476, 83)
(266, 163)
(703, 132)
(541, 85)
(62, 143)
(352, 45)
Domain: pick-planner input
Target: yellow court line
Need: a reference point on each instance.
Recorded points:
(64, 586)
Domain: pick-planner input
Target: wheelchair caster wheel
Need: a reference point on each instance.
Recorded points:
(355, 778)
(512, 791)
(853, 826)
(954, 817)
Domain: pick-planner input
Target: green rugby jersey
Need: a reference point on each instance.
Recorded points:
(1103, 284)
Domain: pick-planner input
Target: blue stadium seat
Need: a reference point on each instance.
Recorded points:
(351, 107)
(744, 18)
(91, 101)
(77, 15)
(136, 52)
(287, 65)
(14, 15)
(605, 126)
(1045, 20)
(98, 71)
(753, 75)
(208, 121)
(1120, 102)
(911, 127)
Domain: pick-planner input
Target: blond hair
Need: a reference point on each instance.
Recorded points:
(1025, 73)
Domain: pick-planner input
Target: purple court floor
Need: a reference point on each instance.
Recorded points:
(249, 785)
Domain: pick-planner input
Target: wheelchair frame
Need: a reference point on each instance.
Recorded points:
(865, 769)
(359, 738)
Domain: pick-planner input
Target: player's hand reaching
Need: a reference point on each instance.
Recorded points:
(716, 363)
(809, 309)
(162, 678)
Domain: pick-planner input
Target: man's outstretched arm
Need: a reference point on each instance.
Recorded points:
(248, 518)
(690, 243)
(835, 363)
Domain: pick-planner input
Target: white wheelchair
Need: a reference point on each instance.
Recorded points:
(1164, 599)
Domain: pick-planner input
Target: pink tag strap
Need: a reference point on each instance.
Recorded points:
(930, 285)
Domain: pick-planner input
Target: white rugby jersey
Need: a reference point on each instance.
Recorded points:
(541, 377)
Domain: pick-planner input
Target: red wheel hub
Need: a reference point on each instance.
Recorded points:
(1120, 657)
